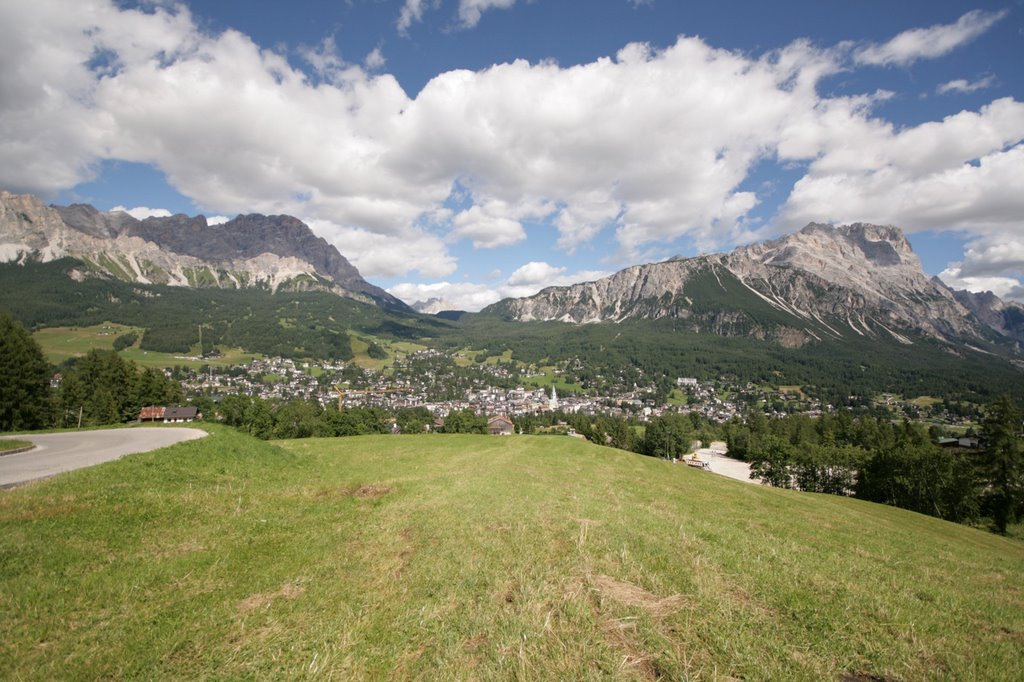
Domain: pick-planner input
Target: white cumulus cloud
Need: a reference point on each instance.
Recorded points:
(375, 61)
(447, 295)
(965, 173)
(143, 212)
(649, 144)
(526, 280)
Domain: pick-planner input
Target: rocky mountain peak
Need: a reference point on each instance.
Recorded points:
(182, 250)
(858, 280)
(88, 220)
(875, 245)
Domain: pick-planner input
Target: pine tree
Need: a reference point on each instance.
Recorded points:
(24, 379)
(1002, 465)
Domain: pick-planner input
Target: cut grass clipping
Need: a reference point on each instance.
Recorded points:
(471, 557)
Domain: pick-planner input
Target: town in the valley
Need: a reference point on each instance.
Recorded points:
(443, 382)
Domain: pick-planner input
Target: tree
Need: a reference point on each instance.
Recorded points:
(376, 352)
(771, 460)
(297, 419)
(668, 436)
(414, 419)
(233, 409)
(106, 389)
(24, 379)
(464, 421)
(125, 340)
(1002, 464)
(921, 477)
(153, 388)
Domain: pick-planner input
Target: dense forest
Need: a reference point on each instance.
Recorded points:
(896, 463)
(660, 351)
(285, 324)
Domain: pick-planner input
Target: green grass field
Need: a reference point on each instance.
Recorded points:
(472, 557)
(549, 379)
(62, 343)
(396, 350)
(229, 357)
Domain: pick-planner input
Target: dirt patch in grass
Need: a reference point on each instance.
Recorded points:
(474, 643)
(508, 592)
(47, 508)
(370, 491)
(181, 549)
(634, 595)
(261, 599)
(619, 633)
(366, 491)
(864, 677)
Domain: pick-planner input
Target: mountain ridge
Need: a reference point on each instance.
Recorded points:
(821, 281)
(249, 250)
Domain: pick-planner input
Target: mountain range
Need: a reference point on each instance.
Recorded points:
(273, 252)
(822, 282)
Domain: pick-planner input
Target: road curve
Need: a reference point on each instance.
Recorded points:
(59, 452)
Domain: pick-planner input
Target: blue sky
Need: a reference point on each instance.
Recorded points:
(473, 149)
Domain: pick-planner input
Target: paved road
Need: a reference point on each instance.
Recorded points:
(58, 452)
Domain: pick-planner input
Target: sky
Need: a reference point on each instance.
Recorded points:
(469, 150)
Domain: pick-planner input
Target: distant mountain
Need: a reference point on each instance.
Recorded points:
(1006, 317)
(431, 306)
(821, 282)
(271, 252)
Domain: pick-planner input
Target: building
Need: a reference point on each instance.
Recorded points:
(500, 426)
(180, 414)
(168, 415)
(152, 414)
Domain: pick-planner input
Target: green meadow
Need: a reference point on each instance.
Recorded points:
(63, 343)
(475, 557)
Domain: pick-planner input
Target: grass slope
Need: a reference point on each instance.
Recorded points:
(473, 557)
(61, 343)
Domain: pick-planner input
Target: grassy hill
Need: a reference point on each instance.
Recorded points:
(469, 557)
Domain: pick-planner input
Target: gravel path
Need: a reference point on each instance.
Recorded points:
(733, 468)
